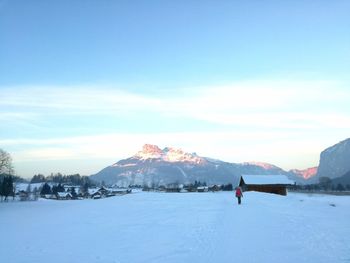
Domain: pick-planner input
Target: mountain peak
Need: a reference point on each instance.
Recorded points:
(150, 148)
(168, 154)
(150, 151)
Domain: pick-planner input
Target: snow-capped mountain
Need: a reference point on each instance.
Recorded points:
(155, 166)
(168, 154)
(335, 160)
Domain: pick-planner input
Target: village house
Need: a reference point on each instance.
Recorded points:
(96, 195)
(104, 191)
(202, 189)
(49, 196)
(173, 188)
(215, 188)
(23, 195)
(63, 196)
(119, 191)
(274, 184)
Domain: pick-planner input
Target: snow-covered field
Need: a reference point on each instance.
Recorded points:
(188, 227)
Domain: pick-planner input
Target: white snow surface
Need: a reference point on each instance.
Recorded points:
(267, 179)
(178, 227)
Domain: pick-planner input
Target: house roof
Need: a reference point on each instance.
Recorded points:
(92, 191)
(63, 194)
(266, 179)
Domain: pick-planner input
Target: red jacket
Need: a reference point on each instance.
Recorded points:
(239, 192)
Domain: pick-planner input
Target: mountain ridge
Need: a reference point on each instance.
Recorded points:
(153, 165)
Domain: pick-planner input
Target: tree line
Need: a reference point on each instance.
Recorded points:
(58, 178)
(54, 189)
(324, 184)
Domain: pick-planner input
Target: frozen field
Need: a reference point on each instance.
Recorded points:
(189, 227)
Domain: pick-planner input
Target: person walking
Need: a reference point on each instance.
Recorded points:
(239, 194)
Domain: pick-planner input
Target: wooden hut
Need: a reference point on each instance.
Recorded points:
(274, 184)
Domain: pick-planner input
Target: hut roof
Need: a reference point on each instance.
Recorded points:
(266, 179)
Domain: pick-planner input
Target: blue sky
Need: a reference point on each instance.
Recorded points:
(85, 83)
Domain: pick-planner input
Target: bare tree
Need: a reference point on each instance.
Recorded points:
(5, 163)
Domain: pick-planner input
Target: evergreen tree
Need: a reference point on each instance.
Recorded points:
(60, 188)
(73, 192)
(46, 190)
(340, 187)
(6, 188)
(54, 189)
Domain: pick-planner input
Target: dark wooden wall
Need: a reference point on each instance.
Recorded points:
(273, 189)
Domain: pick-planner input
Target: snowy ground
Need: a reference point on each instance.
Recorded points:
(189, 227)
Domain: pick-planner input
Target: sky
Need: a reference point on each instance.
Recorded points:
(84, 84)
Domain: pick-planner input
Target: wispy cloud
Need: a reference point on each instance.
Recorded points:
(253, 103)
(285, 122)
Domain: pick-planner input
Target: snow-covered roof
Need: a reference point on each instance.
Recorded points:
(63, 194)
(266, 179)
(91, 191)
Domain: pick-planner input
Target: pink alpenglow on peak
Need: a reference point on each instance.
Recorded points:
(307, 173)
(265, 166)
(168, 154)
(150, 151)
